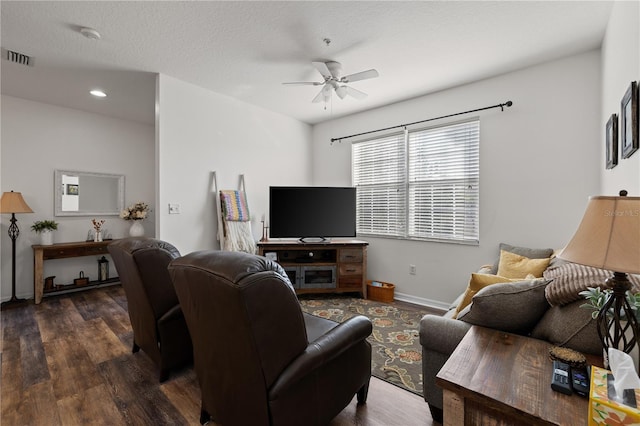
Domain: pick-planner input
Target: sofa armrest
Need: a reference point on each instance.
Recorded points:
(439, 337)
(322, 350)
(441, 334)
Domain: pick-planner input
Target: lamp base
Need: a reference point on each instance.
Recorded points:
(616, 322)
(13, 302)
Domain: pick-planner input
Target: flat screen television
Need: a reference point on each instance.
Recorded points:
(312, 212)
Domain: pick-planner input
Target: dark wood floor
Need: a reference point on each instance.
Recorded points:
(68, 362)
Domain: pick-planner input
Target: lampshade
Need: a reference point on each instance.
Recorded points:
(608, 236)
(12, 202)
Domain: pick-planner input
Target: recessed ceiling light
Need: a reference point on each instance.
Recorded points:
(98, 93)
(90, 33)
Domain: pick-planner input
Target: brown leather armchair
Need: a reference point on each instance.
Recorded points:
(259, 359)
(158, 324)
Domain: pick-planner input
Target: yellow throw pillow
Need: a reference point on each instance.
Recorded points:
(477, 283)
(513, 265)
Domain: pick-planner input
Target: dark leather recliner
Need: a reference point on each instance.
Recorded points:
(259, 359)
(159, 327)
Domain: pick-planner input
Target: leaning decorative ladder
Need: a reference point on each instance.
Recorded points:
(234, 220)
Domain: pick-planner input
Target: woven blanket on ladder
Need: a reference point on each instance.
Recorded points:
(236, 219)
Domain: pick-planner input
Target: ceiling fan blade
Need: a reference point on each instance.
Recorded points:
(319, 97)
(304, 83)
(363, 75)
(355, 93)
(322, 69)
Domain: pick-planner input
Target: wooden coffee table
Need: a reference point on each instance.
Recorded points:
(497, 378)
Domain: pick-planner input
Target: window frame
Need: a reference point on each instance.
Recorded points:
(466, 217)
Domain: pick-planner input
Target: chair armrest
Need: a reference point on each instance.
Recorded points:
(322, 350)
(171, 315)
(441, 334)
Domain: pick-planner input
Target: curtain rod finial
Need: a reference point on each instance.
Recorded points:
(506, 104)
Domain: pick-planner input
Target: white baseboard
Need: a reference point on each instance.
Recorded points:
(421, 301)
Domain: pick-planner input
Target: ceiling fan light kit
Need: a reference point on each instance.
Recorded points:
(331, 72)
(341, 91)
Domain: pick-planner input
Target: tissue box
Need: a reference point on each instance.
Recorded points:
(607, 408)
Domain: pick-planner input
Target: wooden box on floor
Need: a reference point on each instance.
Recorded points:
(383, 293)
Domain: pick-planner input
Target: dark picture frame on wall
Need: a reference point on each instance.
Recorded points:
(611, 140)
(72, 189)
(629, 121)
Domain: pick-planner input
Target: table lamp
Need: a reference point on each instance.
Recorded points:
(12, 202)
(609, 238)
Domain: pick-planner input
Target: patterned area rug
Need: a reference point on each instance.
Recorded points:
(396, 354)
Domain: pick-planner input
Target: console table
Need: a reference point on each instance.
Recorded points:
(335, 266)
(62, 251)
(499, 378)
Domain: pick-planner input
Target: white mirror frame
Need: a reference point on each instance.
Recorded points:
(57, 185)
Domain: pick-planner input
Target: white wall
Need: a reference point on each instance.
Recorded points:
(199, 131)
(620, 66)
(539, 161)
(38, 138)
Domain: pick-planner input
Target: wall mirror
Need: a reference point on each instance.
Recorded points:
(88, 194)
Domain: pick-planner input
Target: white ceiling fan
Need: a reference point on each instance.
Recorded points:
(331, 71)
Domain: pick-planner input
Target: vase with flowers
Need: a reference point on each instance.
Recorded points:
(136, 213)
(97, 226)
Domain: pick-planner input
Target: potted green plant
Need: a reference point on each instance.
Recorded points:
(596, 299)
(45, 228)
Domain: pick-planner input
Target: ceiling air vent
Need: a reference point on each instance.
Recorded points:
(17, 58)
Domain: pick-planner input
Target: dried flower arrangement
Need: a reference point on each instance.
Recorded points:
(97, 224)
(137, 211)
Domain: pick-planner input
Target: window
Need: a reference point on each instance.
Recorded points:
(420, 184)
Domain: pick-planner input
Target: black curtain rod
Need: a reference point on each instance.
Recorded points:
(501, 106)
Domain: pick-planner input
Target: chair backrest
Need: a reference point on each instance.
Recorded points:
(142, 267)
(246, 325)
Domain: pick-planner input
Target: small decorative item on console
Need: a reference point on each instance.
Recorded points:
(45, 228)
(136, 212)
(81, 280)
(103, 269)
(97, 225)
(48, 282)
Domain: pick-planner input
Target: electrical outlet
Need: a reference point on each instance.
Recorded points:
(412, 269)
(174, 208)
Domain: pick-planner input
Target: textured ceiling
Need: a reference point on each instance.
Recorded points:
(247, 49)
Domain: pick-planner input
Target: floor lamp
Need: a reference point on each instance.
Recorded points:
(12, 202)
(609, 238)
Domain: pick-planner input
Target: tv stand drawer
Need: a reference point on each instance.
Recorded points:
(351, 255)
(350, 269)
(352, 281)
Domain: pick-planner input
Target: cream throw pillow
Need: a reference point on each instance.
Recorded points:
(477, 283)
(513, 265)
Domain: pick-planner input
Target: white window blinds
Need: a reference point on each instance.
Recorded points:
(422, 184)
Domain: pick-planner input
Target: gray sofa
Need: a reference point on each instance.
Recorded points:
(547, 308)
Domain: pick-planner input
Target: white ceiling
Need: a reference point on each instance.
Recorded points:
(247, 49)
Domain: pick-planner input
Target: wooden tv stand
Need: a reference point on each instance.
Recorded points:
(335, 266)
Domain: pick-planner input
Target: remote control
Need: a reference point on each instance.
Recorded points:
(580, 380)
(560, 381)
